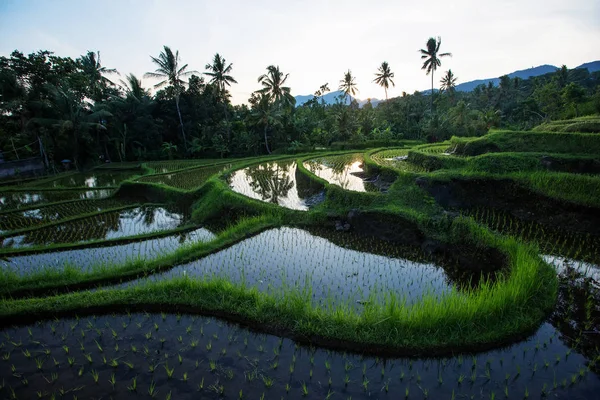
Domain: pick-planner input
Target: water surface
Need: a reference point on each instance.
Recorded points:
(87, 258)
(279, 183)
(110, 225)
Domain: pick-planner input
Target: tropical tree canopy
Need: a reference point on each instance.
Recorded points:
(448, 82)
(219, 73)
(431, 54)
(273, 87)
(384, 76)
(348, 85)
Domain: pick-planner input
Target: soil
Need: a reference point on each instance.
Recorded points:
(519, 201)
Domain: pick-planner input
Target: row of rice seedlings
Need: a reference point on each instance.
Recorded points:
(91, 179)
(554, 241)
(281, 258)
(86, 260)
(575, 188)
(186, 180)
(109, 225)
(119, 165)
(160, 167)
(29, 197)
(436, 148)
(54, 212)
(396, 158)
(173, 355)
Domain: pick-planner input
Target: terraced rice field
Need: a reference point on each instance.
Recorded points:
(91, 258)
(187, 179)
(104, 226)
(92, 179)
(345, 171)
(335, 274)
(80, 288)
(30, 198)
(42, 215)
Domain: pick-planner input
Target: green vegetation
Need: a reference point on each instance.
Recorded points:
(340, 228)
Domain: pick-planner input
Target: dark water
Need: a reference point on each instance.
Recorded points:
(560, 248)
(90, 179)
(345, 171)
(291, 257)
(210, 359)
(110, 225)
(88, 258)
(278, 183)
(16, 200)
(53, 213)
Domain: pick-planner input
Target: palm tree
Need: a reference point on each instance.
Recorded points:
(93, 69)
(133, 87)
(169, 71)
(348, 86)
(384, 77)
(432, 57)
(219, 73)
(448, 82)
(273, 88)
(265, 114)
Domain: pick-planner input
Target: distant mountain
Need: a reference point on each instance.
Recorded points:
(591, 66)
(523, 74)
(332, 98)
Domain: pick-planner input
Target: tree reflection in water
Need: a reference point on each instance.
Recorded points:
(271, 181)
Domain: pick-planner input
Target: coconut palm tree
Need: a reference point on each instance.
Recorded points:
(348, 86)
(133, 87)
(219, 73)
(171, 73)
(384, 77)
(273, 88)
(448, 82)
(266, 114)
(93, 69)
(432, 56)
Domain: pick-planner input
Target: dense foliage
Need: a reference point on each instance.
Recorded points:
(59, 108)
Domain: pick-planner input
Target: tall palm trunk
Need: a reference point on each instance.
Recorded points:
(386, 93)
(432, 92)
(266, 141)
(181, 123)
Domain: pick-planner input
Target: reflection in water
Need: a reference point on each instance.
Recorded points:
(221, 360)
(16, 200)
(345, 171)
(110, 225)
(91, 179)
(278, 183)
(49, 213)
(334, 272)
(85, 259)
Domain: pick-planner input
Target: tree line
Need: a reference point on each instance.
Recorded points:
(60, 108)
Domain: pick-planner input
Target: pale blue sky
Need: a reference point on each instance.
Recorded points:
(315, 41)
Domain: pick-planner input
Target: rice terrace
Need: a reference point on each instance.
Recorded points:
(171, 244)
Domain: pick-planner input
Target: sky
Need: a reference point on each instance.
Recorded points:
(314, 41)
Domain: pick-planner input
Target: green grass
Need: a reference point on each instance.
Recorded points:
(492, 314)
(589, 124)
(514, 141)
(52, 280)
